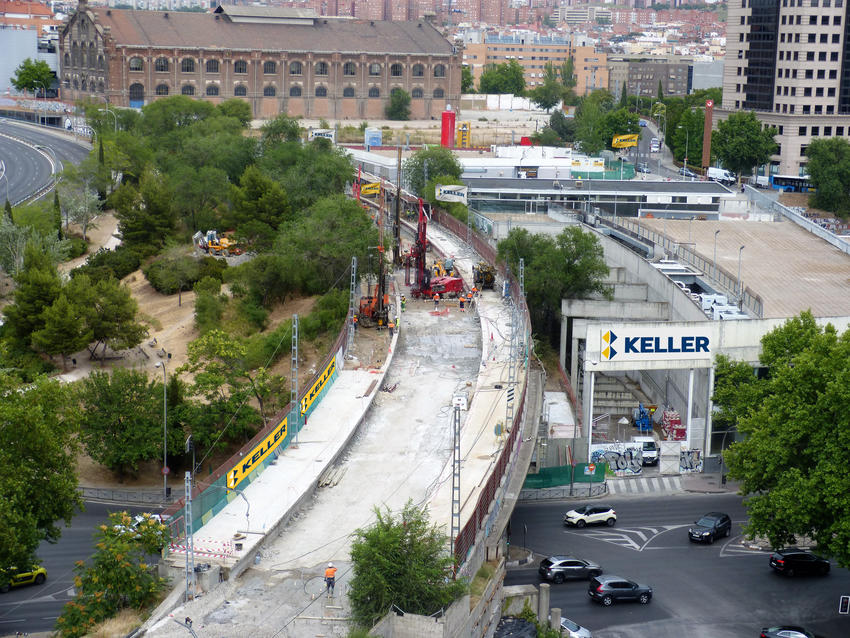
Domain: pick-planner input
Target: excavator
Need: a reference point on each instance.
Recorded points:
(374, 307)
(216, 244)
(484, 275)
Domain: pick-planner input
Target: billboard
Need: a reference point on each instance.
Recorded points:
(655, 344)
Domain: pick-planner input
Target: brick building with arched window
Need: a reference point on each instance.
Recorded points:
(278, 60)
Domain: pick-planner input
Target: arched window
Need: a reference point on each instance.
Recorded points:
(295, 68)
(374, 69)
(348, 91)
(92, 56)
(76, 84)
(240, 67)
(349, 68)
(416, 93)
(212, 66)
(187, 65)
(240, 90)
(395, 70)
(101, 87)
(161, 65)
(418, 71)
(439, 93)
(270, 67)
(101, 63)
(137, 92)
(321, 68)
(75, 54)
(212, 90)
(321, 91)
(67, 61)
(440, 71)
(269, 91)
(83, 86)
(374, 91)
(187, 89)
(295, 91)
(162, 89)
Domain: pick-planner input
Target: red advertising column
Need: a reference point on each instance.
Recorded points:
(447, 132)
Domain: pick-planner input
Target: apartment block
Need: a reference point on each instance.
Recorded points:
(642, 75)
(789, 62)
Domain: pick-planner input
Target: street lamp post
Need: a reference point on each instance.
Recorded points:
(161, 364)
(687, 137)
(114, 117)
(714, 261)
(740, 286)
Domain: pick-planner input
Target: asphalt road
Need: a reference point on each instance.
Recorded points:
(35, 608)
(26, 168)
(703, 591)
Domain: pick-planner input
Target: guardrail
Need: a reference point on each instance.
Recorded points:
(771, 205)
(128, 497)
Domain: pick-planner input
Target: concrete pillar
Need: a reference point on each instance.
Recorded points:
(690, 408)
(562, 354)
(574, 363)
(543, 604)
(708, 411)
(588, 401)
(555, 618)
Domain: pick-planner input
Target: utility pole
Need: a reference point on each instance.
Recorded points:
(352, 300)
(397, 224)
(455, 477)
(190, 553)
(293, 375)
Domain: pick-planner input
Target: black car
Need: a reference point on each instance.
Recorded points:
(560, 568)
(607, 588)
(792, 561)
(710, 527)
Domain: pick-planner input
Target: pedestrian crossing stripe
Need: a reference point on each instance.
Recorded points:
(649, 485)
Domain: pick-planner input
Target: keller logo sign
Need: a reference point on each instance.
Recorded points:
(654, 344)
(452, 193)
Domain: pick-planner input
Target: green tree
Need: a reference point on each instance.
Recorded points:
(37, 287)
(118, 575)
(80, 186)
(197, 194)
(8, 212)
(64, 331)
(569, 266)
(829, 171)
(568, 76)
(686, 137)
(550, 93)
(398, 107)
(564, 126)
(793, 425)
(619, 122)
(624, 96)
(259, 205)
(145, 214)
(741, 144)
(590, 124)
(320, 170)
(427, 162)
(57, 214)
(280, 129)
(660, 90)
(237, 109)
(401, 560)
(32, 75)
(467, 80)
(507, 77)
(37, 449)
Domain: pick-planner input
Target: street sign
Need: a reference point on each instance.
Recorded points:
(844, 605)
(166, 470)
(590, 468)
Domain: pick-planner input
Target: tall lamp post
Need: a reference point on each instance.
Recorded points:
(687, 136)
(740, 287)
(161, 364)
(114, 117)
(714, 261)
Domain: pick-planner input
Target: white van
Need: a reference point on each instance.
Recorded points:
(649, 448)
(720, 175)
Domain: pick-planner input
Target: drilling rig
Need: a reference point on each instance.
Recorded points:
(374, 308)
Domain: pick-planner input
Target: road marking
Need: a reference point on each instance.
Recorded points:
(636, 538)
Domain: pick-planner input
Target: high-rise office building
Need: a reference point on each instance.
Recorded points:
(789, 62)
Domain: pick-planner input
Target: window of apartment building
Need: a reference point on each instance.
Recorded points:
(830, 92)
(295, 91)
(321, 91)
(739, 70)
(813, 19)
(796, 36)
(784, 3)
(812, 37)
(742, 19)
(187, 66)
(348, 91)
(803, 149)
(781, 130)
(782, 19)
(809, 74)
(240, 90)
(439, 93)
(827, 131)
(824, 38)
(269, 67)
(830, 109)
(827, 3)
(796, 55)
(835, 38)
(161, 65)
(374, 69)
(793, 91)
(806, 109)
(791, 110)
(814, 3)
(295, 68)
(440, 71)
(269, 91)
(833, 56)
(839, 131)
(212, 90)
(810, 56)
(321, 68)
(833, 74)
(782, 37)
(784, 108)
(801, 131)
(778, 90)
(836, 19)
(187, 89)
(737, 88)
(136, 64)
(821, 74)
(161, 89)
(839, 4)
(737, 104)
(349, 68)
(374, 91)
(799, 21)
(740, 37)
(417, 93)
(815, 131)
(825, 20)
(240, 67)
(395, 70)
(822, 56)
(818, 109)
(819, 92)
(212, 66)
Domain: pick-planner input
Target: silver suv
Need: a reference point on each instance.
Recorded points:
(560, 568)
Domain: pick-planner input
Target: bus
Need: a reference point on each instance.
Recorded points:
(791, 183)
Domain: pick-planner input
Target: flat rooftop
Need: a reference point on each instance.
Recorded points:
(594, 186)
(791, 269)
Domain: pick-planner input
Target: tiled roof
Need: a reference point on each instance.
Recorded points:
(31, 8)
(328, 35)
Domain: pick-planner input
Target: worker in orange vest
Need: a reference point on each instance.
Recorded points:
(474, 291)
(391, 325)
(330, 579)
(469, 300)
(436, 300)
(354, 321)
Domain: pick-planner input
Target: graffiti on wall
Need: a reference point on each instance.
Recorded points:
(624, 459)
(690, 461)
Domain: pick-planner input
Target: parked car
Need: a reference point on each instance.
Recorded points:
(570, 629)
(710, 527)
(786, 631)
(792, 561)
(559, 568)
(643, 123)
(642, 167)
(606, 589)
(35, 576)
(687, 172)
(591, 515)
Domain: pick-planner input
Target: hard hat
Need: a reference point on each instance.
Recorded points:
(330, 564)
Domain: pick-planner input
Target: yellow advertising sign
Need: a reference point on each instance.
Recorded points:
(256, 456)
(308, 399)
(371, 188)
(624, 141)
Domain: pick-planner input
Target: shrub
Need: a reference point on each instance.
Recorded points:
(77, 247)
(254, 313)
(105, 264)
(169, 276)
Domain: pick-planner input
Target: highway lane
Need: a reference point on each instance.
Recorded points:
(27, 169)
(722, 590)
(35, 608)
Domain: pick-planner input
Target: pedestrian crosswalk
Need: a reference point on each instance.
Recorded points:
(650, 485)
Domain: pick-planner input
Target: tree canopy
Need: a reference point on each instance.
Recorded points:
(794, 434)
(507, 77)
(430, 162)
(551, 92)
(829, 172)
(398, 107)
(401, 560)
(32, 75)
(741, 143)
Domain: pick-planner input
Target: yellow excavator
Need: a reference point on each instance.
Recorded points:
(216, 244)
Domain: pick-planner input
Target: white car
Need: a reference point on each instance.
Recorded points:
(572, 629)
(591, 515)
